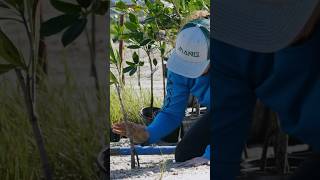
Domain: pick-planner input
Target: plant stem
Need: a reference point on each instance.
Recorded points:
(121, 51)
(125, 117)
(139, 78)
(31, 55)
(151, 80)
(33, 118)
(139, 75)
(29, 91)
(42, 54)
(163, 76)
(92, 48)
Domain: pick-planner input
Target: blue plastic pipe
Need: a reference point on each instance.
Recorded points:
(144, 150)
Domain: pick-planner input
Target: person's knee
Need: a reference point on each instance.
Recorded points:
(179, 155)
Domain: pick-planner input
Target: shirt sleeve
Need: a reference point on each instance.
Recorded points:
(173, 110)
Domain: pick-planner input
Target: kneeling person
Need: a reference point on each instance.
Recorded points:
(188, 67)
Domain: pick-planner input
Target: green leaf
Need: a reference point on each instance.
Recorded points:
(134, 69)
(11, 19)
(120, 5)
(149, 20)
(131, 26)
(74, 31)
(145, 42)
(84, 3)
(6, 68)
(137, 36)
(130, 63)
(3, 5)
(127, 69)
(141, 63)
(163, 48)
(155, 62)
(134, 47)
(112, 56)
(133, 18)
(113, 79)
(17, 4)
(135, 58)
(148, 4)
(57, 24)
(8, 51)
(124, 37)
(66, 7)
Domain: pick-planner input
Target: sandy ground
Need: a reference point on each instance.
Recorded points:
(163, 166)
(155, 167)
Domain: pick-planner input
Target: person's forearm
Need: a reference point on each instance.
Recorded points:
(163, 125)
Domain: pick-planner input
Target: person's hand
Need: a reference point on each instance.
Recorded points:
(138, 132)
(198, 161)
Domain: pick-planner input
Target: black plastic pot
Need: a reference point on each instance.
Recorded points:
(148, 115)
(114, 137)
(103, 162)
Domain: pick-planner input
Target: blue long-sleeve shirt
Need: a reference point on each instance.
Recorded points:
(173, 111)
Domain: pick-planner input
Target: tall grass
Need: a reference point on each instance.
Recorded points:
(134, 101)
(72, 124)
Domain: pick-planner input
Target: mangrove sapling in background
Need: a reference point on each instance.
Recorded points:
(115, 60)
(27, 14)
(160, 22)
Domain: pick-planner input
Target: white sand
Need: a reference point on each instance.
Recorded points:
(155, 167)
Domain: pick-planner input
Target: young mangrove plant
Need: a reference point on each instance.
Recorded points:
(117, 82)
(27, 14)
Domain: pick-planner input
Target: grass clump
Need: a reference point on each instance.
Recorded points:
(71, 122)
(134, 101)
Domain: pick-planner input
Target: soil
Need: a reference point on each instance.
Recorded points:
(153, 167)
